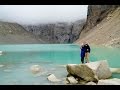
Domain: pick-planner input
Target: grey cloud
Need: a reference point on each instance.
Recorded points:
(30, 14)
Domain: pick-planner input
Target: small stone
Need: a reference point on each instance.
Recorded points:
(53, 78)
(2, 66)
(114, 81)
(71, 80)
(115, 70)
(90, 83)
(1, 52)
(35, 69)
(66, 82)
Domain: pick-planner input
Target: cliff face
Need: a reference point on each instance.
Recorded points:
(102, 26)
(13, 33)
(95, 14)
(57, 32)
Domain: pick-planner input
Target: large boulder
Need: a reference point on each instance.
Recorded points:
(113, 81)
(90, 71)
(82, 71)
(53, 78)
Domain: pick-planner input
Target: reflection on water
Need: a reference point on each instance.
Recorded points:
(16, 61)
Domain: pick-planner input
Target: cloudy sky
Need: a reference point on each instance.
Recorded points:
(32, 14)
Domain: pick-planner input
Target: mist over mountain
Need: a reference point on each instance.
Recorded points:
(39, 14)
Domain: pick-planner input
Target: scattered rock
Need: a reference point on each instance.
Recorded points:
(65, 82)
(62, 65)
(1, 52)
(35, 69)
(90, 83)
(113, 81)
(52, 78)
(115, 70)
(2, 66)
(71, 80)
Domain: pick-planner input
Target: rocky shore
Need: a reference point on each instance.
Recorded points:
(93, 73)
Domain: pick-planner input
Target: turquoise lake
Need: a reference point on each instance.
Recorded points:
(17, 60)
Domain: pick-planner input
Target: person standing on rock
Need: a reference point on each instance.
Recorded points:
(82, 53)
(85, 51)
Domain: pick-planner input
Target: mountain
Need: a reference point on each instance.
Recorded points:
(60, 32)
(13, 33)
(102, 26)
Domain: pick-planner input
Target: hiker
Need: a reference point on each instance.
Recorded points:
(85, 51)
(82, 52)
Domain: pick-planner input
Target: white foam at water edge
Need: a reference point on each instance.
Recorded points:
(2, 66)
(1, 52)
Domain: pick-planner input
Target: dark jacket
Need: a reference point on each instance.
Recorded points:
(87, 48)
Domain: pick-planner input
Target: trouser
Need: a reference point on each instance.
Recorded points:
(87, 56)
(82, 59)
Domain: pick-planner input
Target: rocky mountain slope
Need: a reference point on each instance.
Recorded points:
(13, 33)
(102, 26)
(60, 32)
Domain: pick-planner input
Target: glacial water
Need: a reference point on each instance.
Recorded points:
(17, 60)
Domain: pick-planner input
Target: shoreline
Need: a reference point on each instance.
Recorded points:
(102, 45)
